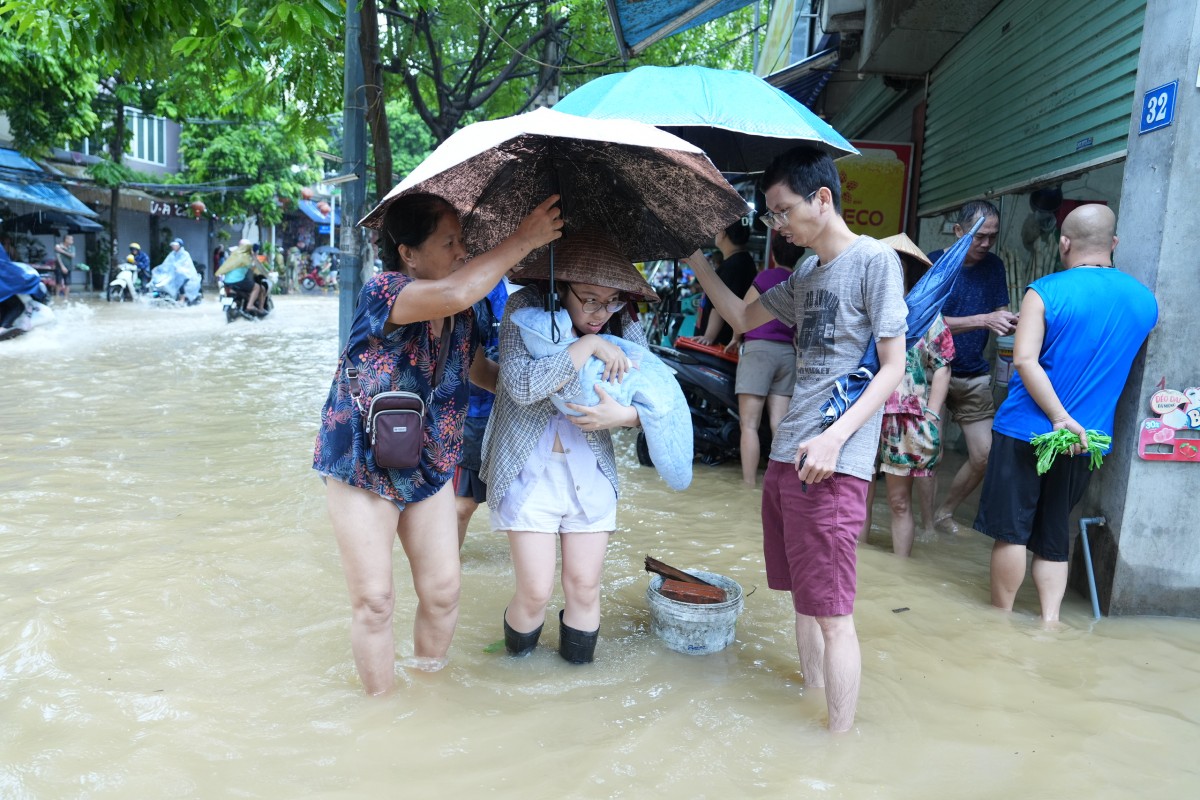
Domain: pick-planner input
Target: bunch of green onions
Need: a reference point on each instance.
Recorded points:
(1055, 443)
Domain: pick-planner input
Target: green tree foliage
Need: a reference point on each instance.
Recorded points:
(263, 167)
(298, 43)
(462, 62)
(411, 141)
(47, 97)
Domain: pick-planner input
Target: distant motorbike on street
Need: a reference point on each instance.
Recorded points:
(322, 272)
(233, 301)
(123, 287)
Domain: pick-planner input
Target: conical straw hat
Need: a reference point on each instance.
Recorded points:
(589, 256)
(906, 247)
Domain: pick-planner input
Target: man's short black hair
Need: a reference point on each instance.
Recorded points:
(804, 170)
(738, 232)
(974, 210)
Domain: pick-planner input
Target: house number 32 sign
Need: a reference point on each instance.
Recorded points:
(1158, 108)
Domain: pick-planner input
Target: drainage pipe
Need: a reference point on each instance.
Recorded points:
(1087, 560)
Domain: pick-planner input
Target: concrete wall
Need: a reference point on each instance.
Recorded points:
(1148, 556)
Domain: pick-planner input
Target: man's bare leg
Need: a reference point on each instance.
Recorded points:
(843, 670)
(979, 444)
(1050, 578)
(1008, 572)
(811, 646)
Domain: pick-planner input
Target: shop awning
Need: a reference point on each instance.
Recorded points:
(23, 181)
(310, 210)
(640, 23)
(805, 79)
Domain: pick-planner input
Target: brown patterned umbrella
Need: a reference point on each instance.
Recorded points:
(656, 195)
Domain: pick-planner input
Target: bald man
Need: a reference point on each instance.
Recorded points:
(1077, 337)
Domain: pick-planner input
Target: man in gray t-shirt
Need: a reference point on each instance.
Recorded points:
(814, 493)
(831, 305)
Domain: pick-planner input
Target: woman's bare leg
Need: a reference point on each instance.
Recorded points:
(365, 526)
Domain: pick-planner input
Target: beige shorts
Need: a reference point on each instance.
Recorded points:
(970, 399)
(766, 367)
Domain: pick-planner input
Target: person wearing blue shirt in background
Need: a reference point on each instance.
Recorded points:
(469, 488)
(1079, 332)
(976, 307)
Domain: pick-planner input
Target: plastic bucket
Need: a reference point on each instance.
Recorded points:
(1004, 360)
(696, 628)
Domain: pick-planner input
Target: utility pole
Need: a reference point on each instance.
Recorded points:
(354, 192)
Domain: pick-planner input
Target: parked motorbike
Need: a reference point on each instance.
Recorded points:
(319, 278)
(124, 285)
(707, 376)
(233, 301)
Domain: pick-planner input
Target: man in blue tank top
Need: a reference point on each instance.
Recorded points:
(1067, 319)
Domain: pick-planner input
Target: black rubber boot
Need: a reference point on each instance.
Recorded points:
(578, 647)
(520, 644)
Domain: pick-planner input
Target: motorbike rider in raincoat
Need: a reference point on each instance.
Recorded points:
(178, 273)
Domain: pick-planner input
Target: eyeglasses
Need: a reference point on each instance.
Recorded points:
(777, 219)
(592, 306)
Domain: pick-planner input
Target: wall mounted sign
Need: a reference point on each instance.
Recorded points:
(1158, 107)
(1174, 433)
(875, 188)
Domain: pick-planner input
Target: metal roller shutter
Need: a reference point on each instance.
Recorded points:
(1035, 91)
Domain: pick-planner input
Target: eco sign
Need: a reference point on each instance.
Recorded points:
(875, 188)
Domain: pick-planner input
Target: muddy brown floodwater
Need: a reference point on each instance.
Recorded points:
(174, 622)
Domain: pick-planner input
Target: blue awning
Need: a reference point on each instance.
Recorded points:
(23, 181)
(804, 80)
(640, 23)
(310, 210)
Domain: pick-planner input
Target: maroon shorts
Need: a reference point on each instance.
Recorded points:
(809, 538)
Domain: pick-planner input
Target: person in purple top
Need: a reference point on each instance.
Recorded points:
(977, 307)
(766, 371)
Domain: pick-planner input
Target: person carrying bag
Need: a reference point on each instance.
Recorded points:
(412, 333)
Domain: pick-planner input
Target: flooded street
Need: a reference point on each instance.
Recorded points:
(174, 621)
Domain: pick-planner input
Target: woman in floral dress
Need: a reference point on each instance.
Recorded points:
(394, 344)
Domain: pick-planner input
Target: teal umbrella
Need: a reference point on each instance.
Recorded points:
(925, 301)
(737, 118)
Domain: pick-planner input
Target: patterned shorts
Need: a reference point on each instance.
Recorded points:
(910, 445)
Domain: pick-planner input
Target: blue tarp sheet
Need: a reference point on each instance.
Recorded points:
(638, 22)
(23, 181)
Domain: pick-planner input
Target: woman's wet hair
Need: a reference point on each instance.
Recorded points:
(739, 232)
(410, 220)
(804, 170)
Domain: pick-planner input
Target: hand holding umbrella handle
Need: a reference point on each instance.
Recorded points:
(541, 226)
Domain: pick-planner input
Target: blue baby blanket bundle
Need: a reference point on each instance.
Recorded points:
(650, 386)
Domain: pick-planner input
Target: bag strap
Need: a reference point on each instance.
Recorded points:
(447, 330)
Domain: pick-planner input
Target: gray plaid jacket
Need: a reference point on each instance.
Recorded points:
(523, 408)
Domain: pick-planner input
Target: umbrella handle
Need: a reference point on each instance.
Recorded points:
(550, 303)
